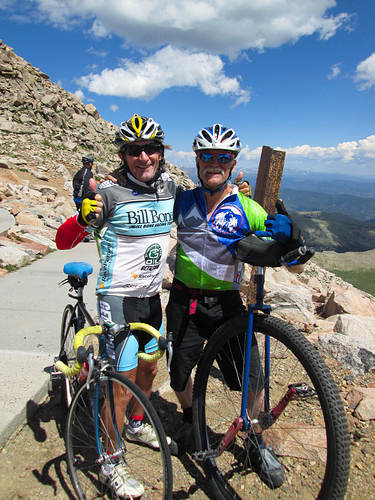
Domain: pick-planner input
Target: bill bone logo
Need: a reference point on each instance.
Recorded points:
(153, 255)
(227, 219)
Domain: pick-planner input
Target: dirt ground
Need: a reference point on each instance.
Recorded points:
(32, 464)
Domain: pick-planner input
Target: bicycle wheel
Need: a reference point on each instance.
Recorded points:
(152, 468)
(310, 437)
(67, 353)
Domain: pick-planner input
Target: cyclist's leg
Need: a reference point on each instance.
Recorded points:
(147, 310)
(123, 353)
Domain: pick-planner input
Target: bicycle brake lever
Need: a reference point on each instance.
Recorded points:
(61, 283)
(90, 361)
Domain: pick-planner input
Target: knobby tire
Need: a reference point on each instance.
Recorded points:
(310, 437)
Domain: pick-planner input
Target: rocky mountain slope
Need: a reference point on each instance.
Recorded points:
(44, 131)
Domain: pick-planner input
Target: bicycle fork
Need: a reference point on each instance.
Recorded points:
(104, 456)
(266, 418)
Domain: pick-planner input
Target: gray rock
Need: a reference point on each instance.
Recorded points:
(355, 354)
(13, 257)
(356, 326)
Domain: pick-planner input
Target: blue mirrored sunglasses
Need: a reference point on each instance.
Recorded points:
(225, 158)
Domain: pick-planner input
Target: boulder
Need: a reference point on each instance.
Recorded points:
(356, 326)
(13, 257)
(355, 354)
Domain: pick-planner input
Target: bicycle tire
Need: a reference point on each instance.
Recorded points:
(152, 468)
(310, 438)
(67, 354)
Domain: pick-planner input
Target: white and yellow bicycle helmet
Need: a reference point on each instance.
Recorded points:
(138, 128)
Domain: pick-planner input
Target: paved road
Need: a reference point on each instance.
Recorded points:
(31, 305)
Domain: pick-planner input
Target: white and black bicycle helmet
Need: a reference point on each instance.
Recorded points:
(138, 128)
(217, 137)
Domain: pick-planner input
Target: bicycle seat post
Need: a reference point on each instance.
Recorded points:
(259, 279)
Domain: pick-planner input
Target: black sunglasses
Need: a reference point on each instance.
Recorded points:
(136, 149)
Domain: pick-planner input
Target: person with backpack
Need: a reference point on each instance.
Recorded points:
(81, 180)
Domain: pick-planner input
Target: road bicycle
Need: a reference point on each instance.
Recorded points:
(94, 422)
(293, 402)
(74, 319)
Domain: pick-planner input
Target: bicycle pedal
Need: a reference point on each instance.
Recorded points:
(303, 390)
(199, 456)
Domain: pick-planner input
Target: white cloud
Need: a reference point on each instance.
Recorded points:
(194, 30)
(98, 30)
(113, 107)
(344, 151)
(213, 26)
(365, 73)
(167, 68)
(79, 94)
(336, 70)
(99, 53)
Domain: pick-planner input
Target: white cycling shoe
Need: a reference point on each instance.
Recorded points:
(144, 434)
(117, 477)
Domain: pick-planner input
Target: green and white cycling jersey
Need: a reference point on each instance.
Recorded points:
(205, 247)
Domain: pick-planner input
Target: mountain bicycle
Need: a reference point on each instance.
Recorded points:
(94, 423)
(292, 407)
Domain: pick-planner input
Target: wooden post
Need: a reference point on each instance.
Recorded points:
(266, 192)
(268, 181)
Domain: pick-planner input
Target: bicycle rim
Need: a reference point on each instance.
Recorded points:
(67, 353)
(310, 437)
(152, 468)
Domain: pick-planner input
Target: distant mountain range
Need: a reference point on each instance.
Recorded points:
(329, 184)
(323, 193)
(362, 209)
(336, 232)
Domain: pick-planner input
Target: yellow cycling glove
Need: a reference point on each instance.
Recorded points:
(87, 213)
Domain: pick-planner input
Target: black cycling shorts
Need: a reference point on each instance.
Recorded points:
(193, 319)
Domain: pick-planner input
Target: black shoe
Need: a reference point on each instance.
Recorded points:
(182, 439)
(266, 464)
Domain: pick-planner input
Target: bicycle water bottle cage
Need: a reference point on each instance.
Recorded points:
(78, 273)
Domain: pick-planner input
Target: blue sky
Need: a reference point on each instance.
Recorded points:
(298, 75)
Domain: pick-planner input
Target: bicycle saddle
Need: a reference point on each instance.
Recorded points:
(78, 269)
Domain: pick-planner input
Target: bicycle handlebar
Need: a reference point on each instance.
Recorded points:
(70, 371)
(154, 333)
(82, 352)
